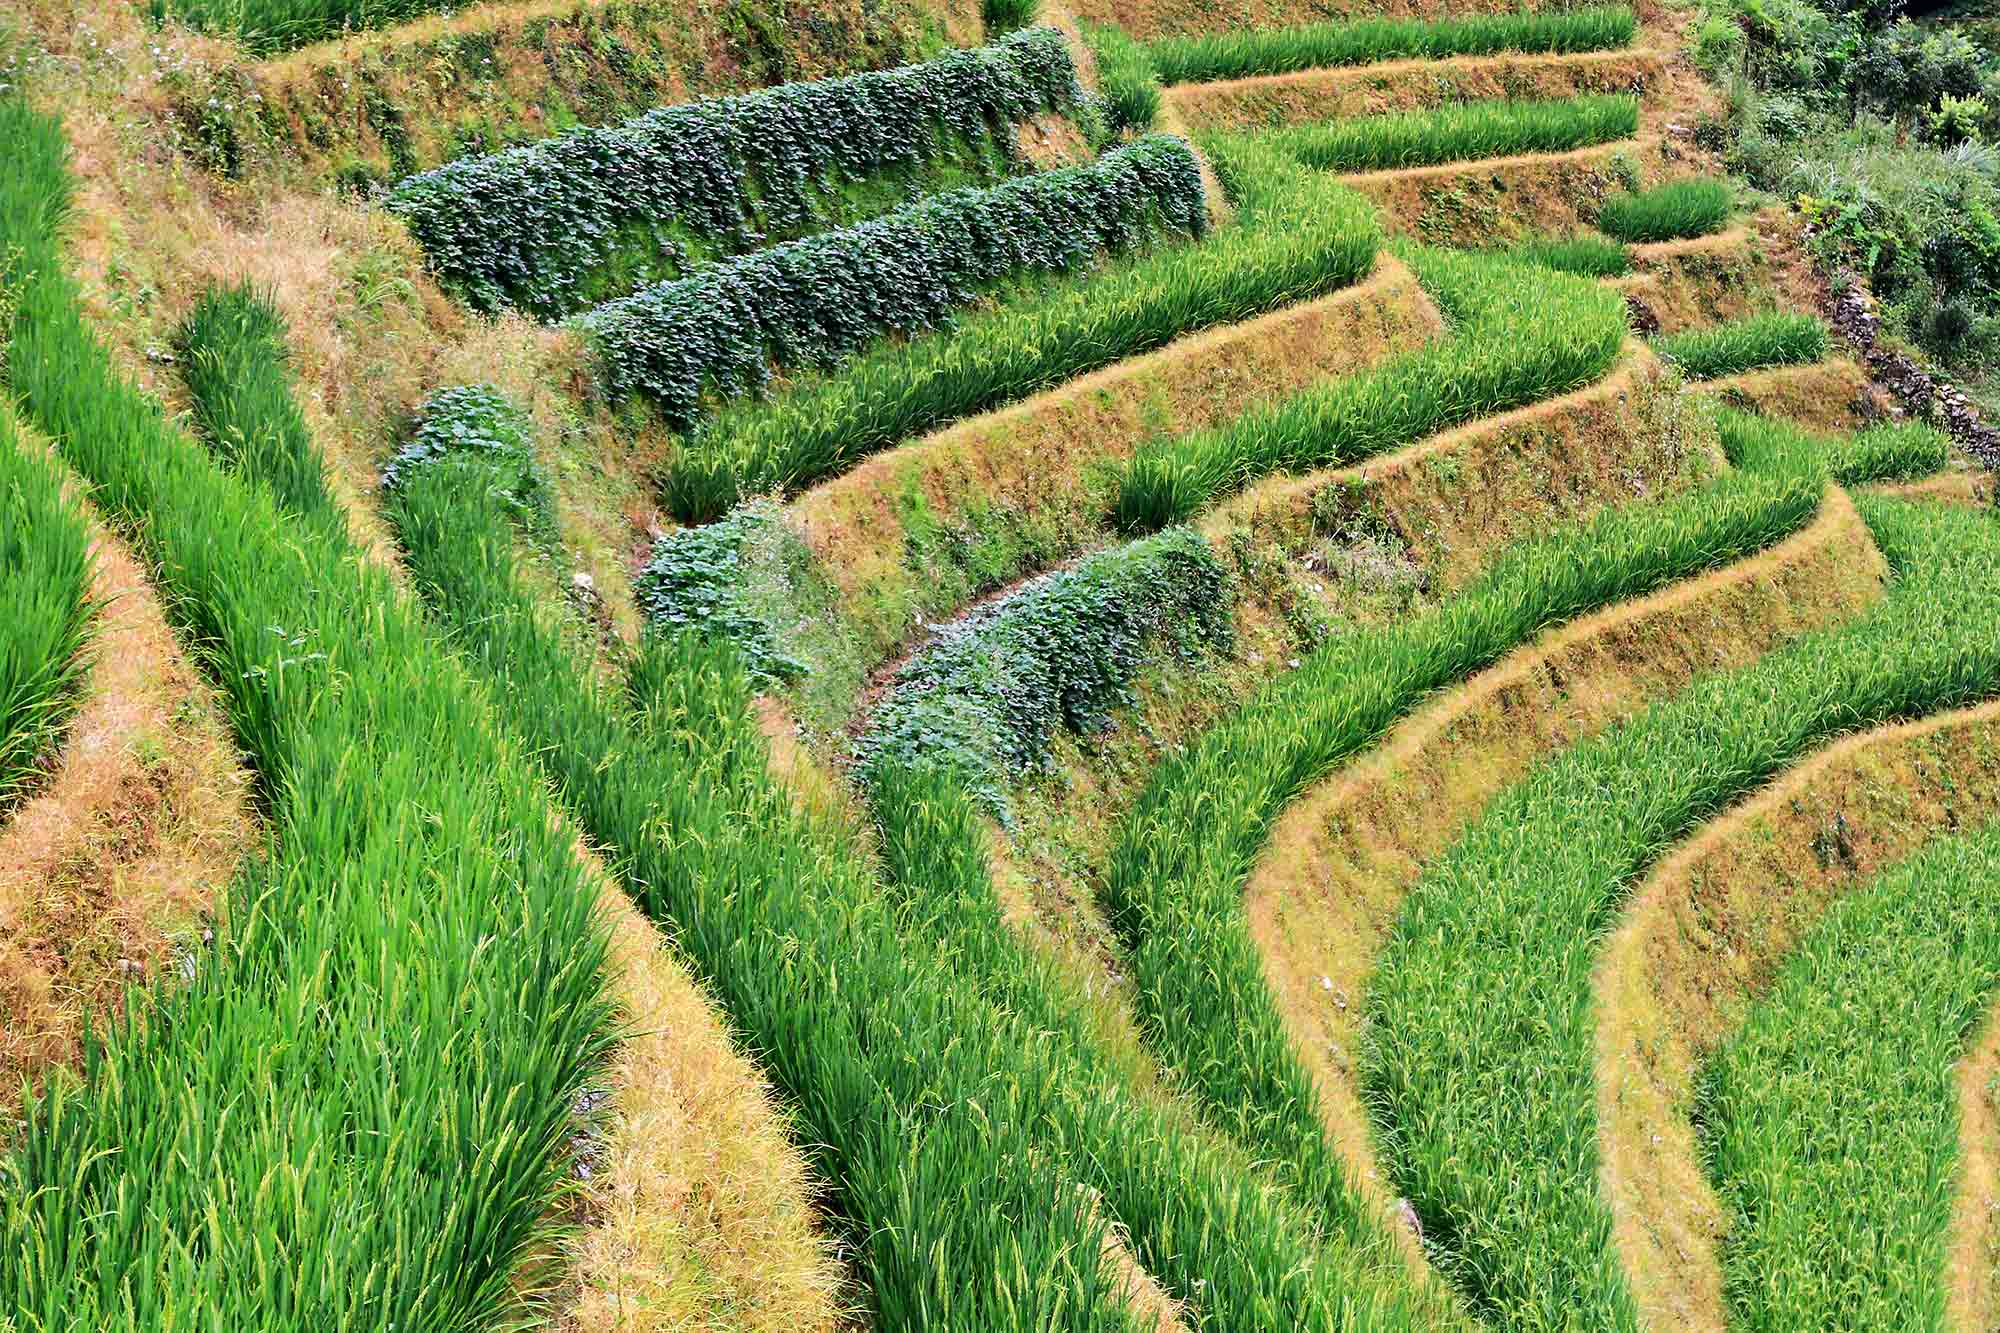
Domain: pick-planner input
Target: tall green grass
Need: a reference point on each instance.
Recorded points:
(1460, 132)
(1585, 255)
(961, 1112)
(1125, 77)
(1830, 1118)
(1297, 235)
(1519, 335)
(1753, 343)
(351, 1111)
(1480, 1058)
(269, 27)
(1890, 451)
(1695, 207)
(46, 609)
(1248, 52)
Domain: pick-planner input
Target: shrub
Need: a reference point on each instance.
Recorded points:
(817, 301)
(1775, 339)
(1125, 77)
(1461, 131)
(1696, 207)
(1297, 235)
(559, 225)
(1247, 52)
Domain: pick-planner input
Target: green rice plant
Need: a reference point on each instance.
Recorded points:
(1479, 1063)
(1007, 15)
(1125, 77)
(233, 356)
(565, 223)
(815, 302)
(46, 609)
(1298, 235)
(268, 27)
(1752, 343)
(1830, 1119)
(353, 1109)
(1247, 52)
(1174, 887)
(1460, 132)
(1584, 255)
(1694, 207)
(1520, 335)
(1890, 451)
(962, 1115)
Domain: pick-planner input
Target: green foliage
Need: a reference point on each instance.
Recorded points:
(1520, 334)
(1697, 206)
(1753, 343)
(1459, 132)
(268, 27)
(1481, 1051)
(1892, 451)
(1007, 15)
(1251, 51)
(1297, 235)
(559, 225)
(373, 1071)
(816, 302)
(46, 609)
(982, 700)
(1126, 78)
(1585, 255)
(1830, 1118)
(697, 583)
(478, 426)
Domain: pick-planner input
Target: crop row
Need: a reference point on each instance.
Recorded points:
(1774, 339)
(1480, 1059)
(1461, 132)
(1297, 234)
(1520, 335)
(1886, 452)
(558, 226)
(1697, 206)
(964, 1122)
(46, 608)
(815, 302)
(1831, 1116)
(350, 1112)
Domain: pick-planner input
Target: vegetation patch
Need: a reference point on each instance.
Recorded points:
(1584, 255)
(1460, 133)
(1755, 343)
(1697, 206)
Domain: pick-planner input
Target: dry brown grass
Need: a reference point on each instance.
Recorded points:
(1500, 200)
(1705, 935)
(1702, 282)
(1831, 397)
(115, 863)
(1961, 486)
(1329, 884)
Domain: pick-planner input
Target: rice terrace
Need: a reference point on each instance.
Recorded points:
(1022, 665)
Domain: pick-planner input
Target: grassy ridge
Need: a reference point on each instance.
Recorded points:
(1480, 1060)
(1234, 55)
(352, 1113)
(1755, 343)
(1297, 235)
(957, 1104)
(46, 610)
(1460, 132)
(1696, 207)
(1520, 335)
(1831, 1117)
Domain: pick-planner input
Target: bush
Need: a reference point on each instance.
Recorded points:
(1678, 209)
(1754, 343)
(556, 226)
(1460, 132)
(1241, 54)
(815, 302)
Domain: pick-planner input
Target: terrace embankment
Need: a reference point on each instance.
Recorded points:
(1830, 397)
(1705, 935)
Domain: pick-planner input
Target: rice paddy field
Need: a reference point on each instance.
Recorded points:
(1039, 665)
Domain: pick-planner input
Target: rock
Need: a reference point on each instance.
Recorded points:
(1407, 1215)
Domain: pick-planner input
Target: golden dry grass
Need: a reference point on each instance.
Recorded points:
(1831, 397)
(1331, 880)
(1500, 200)
(1703, 937)
(1697, 283)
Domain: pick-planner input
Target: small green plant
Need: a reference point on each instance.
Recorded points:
(1695, 207)
(1775, 339)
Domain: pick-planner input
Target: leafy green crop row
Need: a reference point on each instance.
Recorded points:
(1831, 1117)
(1480, 1057)
(1520, 335)
(815, 302)
(558, 226)
(352, 1111)
(1250, 51)
(46, 608)
(1698, 206)
(1754, 343)
(1297, 235)
(1460, 132)
(962, 1121)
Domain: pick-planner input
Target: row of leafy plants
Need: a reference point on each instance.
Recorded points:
(558, 226)
(46, 608)
(1297, 234)
(1479, 1063)
(976, 1141)
(352, 1109)
(815, 302)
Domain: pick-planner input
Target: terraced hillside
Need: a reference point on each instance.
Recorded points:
(823, 665)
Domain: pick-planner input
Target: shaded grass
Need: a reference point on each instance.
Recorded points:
(1760, 341)
(1461, 132)
(1669, 212)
